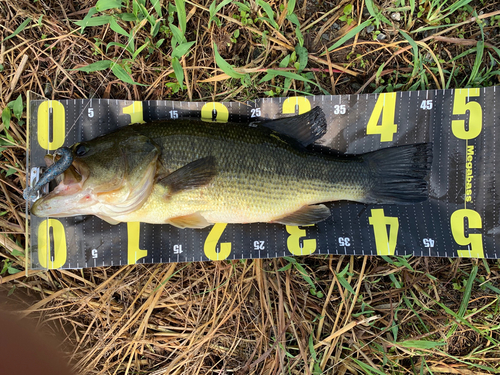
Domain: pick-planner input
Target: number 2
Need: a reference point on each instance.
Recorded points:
(210, 246)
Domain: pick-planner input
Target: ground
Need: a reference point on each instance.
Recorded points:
(365, 314)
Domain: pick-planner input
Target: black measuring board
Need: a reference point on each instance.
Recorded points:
(460, 219)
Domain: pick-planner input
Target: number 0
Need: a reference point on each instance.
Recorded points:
(58, 124)
(59, 241)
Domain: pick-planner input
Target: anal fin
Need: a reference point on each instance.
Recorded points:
(108, 220)
(195, 220)
(306, 215)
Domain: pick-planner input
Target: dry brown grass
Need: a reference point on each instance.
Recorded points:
(248, 317)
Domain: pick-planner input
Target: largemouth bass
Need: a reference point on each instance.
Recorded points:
(191, 174)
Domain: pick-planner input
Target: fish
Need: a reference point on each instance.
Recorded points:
(192, 174)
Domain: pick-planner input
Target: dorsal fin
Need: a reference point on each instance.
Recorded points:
(306, 128)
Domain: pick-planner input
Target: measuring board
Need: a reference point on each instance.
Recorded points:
(460, 219)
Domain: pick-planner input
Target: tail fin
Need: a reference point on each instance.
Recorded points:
(398, 173)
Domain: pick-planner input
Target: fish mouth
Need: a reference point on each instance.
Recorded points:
(69, 195)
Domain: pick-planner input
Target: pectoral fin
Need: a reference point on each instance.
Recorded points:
(306, 215)
(195, 220)
(193, 175)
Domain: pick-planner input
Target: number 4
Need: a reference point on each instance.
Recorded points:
(385, 106)
(385, 230)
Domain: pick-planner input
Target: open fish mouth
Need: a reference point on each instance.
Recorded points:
(68, 195)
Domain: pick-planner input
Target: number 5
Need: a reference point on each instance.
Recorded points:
(460, 107)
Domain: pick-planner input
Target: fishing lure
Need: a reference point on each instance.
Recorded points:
(64, 162)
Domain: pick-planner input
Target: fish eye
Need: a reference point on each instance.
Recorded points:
(81, 149)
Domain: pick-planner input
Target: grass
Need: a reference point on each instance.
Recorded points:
(307, 315)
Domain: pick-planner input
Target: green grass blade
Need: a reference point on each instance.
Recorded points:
(222, 5)
(157, 6)
(139, 50)
(367, 368)
(477, 62)
(117, 28)
(103, 5)
(465, 299)
(303, 56)
(416, 54)
(271, 73)
(269, 11)
(17, 107)
(293, 19)
(94, 21)
(453, 7)
(180, 5)
(19, 29)
(179, 72)
(349, 35)
(94, 67)
(376, 13)
(182, 49)
(178, 35)
(419, 344)
(6, 116)
(122, 75)
(225, 66)
(121, 45)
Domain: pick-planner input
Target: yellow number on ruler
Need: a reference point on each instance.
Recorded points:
(460, 107)
(386, 105)
(58, 125)
(210, 246)
(135, 112)
(385, 244)
(293, 243)
(293, 102)
(221, 112)
(134, 253)
(474, 240)
(59, 237)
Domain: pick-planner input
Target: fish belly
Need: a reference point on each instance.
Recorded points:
(249, 197)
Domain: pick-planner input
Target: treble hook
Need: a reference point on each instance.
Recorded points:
(65, 161)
